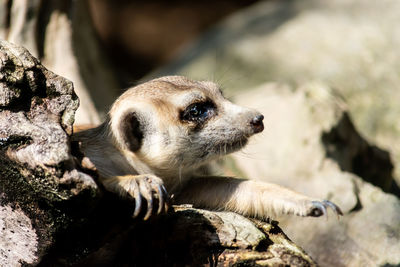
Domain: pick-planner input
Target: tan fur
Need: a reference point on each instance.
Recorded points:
(152, 143)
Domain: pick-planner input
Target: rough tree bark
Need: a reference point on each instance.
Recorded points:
(52, 212)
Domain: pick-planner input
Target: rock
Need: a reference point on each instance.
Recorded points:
(301, 149)
(368, 235)
(348, 45)
(52, 213)
(40, 184)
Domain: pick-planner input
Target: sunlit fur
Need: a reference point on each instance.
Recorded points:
(172, 149)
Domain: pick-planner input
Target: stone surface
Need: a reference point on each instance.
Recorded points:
(311, 146)
(18, 239)
(40, 185)
(349, 45)
(368, 235)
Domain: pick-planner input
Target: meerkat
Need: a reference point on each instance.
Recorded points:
(158, 134)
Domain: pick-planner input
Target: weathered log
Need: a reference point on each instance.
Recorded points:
(42, 190)
(52, 212)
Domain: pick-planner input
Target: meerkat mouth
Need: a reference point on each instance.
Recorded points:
(224, 148)
(232, 146)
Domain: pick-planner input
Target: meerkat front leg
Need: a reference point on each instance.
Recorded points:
(140, 187)
(250, 198)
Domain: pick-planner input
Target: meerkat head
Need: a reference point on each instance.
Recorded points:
(173, 123)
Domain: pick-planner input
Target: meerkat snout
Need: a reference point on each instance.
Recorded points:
(257, 123)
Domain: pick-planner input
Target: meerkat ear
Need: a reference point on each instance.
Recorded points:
(131, 131)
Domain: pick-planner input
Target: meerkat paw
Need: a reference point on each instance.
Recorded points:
(319, 208)
(148, 188)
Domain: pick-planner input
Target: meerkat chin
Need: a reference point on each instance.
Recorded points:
(159, 133)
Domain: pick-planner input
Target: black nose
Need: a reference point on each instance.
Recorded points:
(257, 124)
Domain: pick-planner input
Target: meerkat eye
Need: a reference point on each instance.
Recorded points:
(198, 111)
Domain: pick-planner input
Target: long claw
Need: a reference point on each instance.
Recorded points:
(149, 209)
(146, 188)
(335, 208)
(138, 201)
(149, 198)
(167, 197)
(319, 209)
(160, 200)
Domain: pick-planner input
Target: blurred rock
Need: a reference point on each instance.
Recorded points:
(311, 145)
(348, 45)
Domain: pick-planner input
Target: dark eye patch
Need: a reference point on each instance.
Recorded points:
(198, 112)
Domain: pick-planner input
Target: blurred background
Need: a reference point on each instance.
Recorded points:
(150, 34)
(325, 74)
